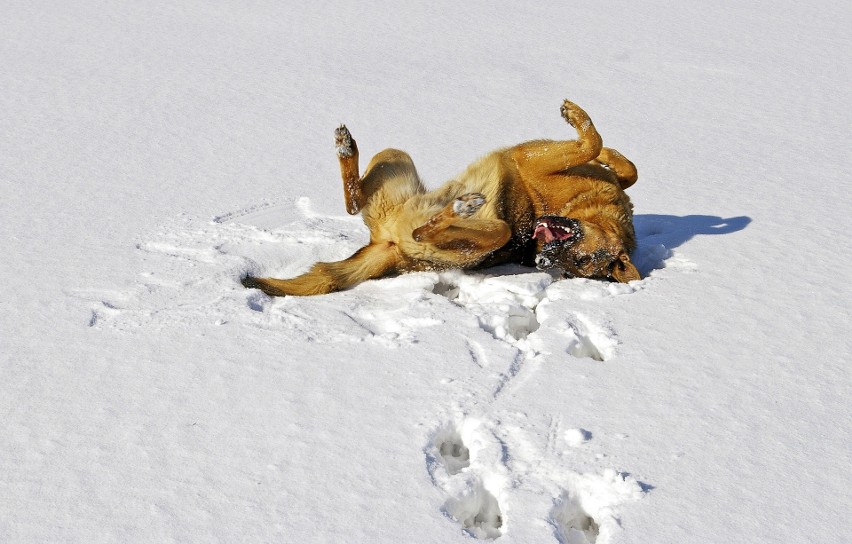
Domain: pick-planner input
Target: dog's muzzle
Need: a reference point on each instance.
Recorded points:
(555, 232)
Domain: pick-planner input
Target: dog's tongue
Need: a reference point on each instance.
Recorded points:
(545, 233)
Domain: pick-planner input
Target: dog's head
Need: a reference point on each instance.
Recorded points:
(582, 249)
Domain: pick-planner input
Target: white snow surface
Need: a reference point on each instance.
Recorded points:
(151, 153)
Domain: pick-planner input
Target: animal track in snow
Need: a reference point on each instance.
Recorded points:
(478, 512)
(505, 315)
(450, 463)
(447, 451)
(531, 313)
(482, 466)
(510, 307)
(584, 513)
(452, 451)
(504, 306)
(589, 339)
(573, 524)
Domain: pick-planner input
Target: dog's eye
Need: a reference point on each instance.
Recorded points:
(584, 260)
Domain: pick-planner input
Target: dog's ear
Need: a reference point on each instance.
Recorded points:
(624, 271)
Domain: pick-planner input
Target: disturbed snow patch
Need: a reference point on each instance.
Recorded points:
(192, 271)
(511, 321)
(527, 310)
(585, 512)
(510, 304)
(573, 524)
(484, 466)
(452, 452)
(472, 476)
(504, 305)
(477, 511)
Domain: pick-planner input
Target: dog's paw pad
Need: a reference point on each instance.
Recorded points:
(343, 142)
(466, 205)
(570, 112)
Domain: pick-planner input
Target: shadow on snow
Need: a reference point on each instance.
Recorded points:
(657, 234)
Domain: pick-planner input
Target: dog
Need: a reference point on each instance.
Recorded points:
(553, 204)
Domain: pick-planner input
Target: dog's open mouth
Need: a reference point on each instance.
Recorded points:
(553, 228)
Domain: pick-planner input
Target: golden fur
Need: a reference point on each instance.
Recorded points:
(558, 204)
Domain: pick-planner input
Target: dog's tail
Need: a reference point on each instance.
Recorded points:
(369, 262)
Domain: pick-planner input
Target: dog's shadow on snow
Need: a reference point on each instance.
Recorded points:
(657, 234)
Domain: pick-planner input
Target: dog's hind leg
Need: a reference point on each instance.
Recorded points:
(389, 181)
(390, 178)
(620, 165)
(347, 156)
(544, 157)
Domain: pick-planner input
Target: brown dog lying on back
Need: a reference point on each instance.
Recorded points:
(555, 204)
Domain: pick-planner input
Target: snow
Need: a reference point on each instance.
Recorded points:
(152, 153)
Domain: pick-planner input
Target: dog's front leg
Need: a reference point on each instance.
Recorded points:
(454, 229)
(464, 206)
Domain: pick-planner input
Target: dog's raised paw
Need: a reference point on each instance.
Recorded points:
(343, 142)
(467, 204)
(569, 112)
